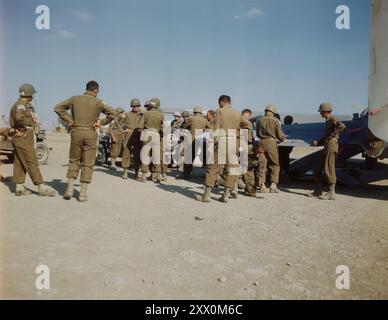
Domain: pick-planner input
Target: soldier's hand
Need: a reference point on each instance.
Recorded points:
(315, 143)
(97, 125)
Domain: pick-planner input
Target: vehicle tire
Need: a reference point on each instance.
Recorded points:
(42, 153)
(101, 157)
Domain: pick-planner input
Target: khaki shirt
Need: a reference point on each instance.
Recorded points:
(152, 120)
(333, 128)
(132, 120)
(229, 119)
(21, 116)
(85, 111)
(196, 122)
(270, 128)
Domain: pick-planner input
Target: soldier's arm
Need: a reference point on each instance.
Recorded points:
(61, 110)
(279, 132)
(187, 124)
(338, 128)
(109, 112)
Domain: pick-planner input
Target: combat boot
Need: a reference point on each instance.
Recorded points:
(164, 177)
(70, 189)
(206, 196)
(143, 177)
(125, 174)
(158, 179)
(153, 177)
(262, 189)
(45, 191)
(234, 192)
(225, 195)
(21, 190)
(317, 191)
(330, 195)
(113, 164)
(274, 188)
(83, 196)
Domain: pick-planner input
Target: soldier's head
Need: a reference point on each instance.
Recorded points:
(211, 115)
(177, 116)
(120, 112)
(325, 109)
(147, 105)
(93, 88)
(224, 101)
(198, 110)
(270, 110)
(247, 113)
(185, 115)
(135, 105)
(27, 91)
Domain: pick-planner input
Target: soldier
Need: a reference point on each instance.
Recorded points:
(329, 154)
(23, 122)
(152, 124)
(176, 123)
(196, 125)
(211, 117)
(132, 143)
(229, 121)
(270, 133)
(185, 117)
(117, 136)
(249, 176)
(4, 133)
(85, 111)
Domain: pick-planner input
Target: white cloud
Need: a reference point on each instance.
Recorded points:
(252, 13)
(58, 31)
(82, 15)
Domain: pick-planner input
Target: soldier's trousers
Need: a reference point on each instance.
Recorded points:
(188, 167)
(272, 156)
(231, 166)
(132, 147)
(25, 159)
(152, 145)
(83, 149)
(116, 144)
(327, 161)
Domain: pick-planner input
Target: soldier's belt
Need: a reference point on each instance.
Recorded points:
(83, 128)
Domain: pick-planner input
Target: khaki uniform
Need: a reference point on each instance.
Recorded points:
(116, 132)
(85, 111)
(132, 143)
(194, 123)
(249, 176)
(4, 133)
(151, 124)
(23, 119)
(270, 132)
(227, 119)
(329, 154)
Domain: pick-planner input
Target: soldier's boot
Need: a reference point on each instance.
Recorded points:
(234, 192)
(158, 178)
(164, 176)
(317, 192)
(206, 196)
(125, 174)
(153, 177)
(225, 195)
(262, 189)
(45, 191)
(70, 189)
(143, 177)
(21, 190)
(274, 188)
(137, 175)
(83, 195)
(113, 164)
(330, 195)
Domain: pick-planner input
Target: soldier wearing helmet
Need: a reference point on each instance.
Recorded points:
(152, 125)
(116, 132)
(176, 123)
(196, 124)
(329, 154)
(23, 121)
(132, 143)
(269, 131)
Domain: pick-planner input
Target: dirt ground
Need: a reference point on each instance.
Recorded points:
(148, 241)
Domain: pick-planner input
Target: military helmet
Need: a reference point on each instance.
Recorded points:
(177, 114)
(155, 103)
(147, 103)
(326, 107)
(185, 114)
(197, 110)
(119, 110)
(271, 108)
(135, 103)
(27, 90)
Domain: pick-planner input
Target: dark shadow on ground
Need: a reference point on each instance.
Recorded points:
(60, 187)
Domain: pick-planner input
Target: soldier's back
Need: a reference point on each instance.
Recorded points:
(86, 110)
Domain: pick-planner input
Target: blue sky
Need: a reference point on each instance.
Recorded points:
(188, 52)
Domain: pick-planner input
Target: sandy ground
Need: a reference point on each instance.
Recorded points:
(148, 241)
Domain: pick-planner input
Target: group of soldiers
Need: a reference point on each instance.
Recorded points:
(139, 135)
